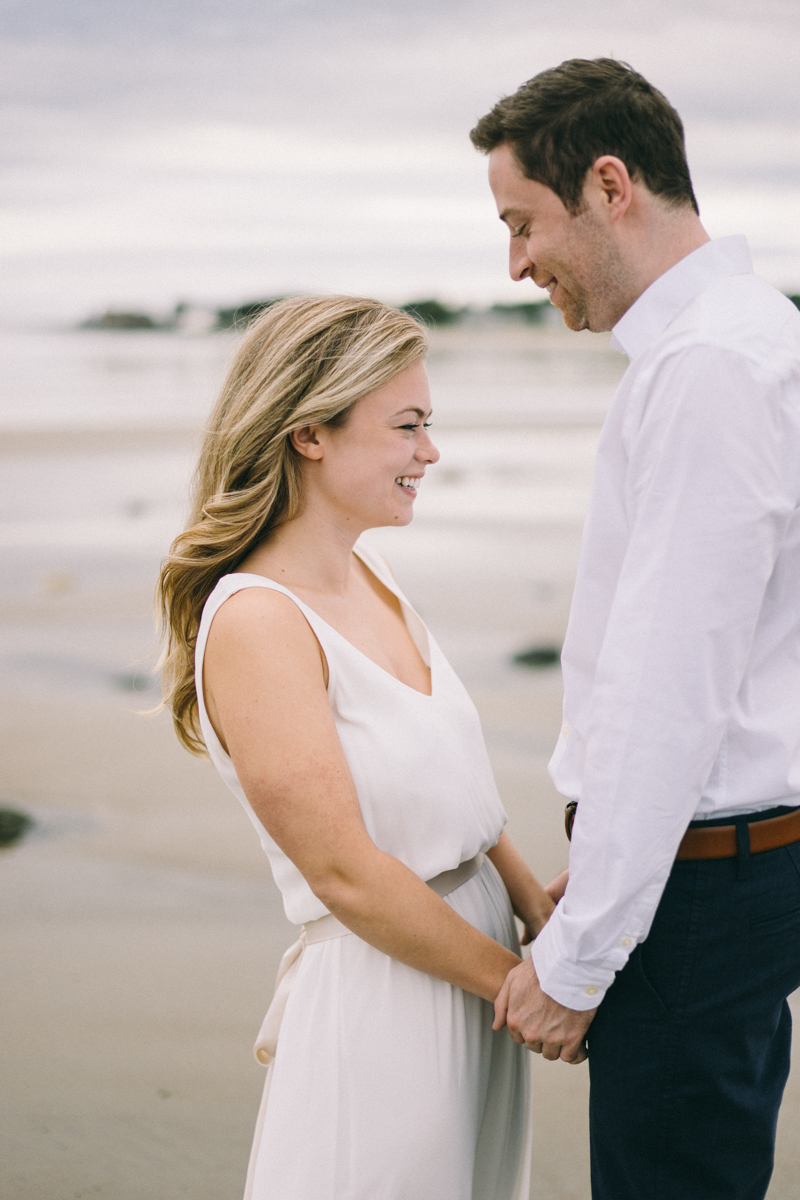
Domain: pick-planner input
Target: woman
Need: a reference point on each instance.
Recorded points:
(328, 709)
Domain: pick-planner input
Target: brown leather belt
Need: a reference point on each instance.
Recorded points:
(720, 840)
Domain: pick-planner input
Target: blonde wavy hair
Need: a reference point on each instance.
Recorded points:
(304, 361)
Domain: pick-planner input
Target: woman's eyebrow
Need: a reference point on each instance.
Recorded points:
(419, 411)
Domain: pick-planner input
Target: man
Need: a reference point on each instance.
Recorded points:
(681, 735)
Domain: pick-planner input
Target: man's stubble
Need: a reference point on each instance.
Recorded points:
(599, 283)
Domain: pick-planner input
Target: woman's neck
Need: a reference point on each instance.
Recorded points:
(312, 553)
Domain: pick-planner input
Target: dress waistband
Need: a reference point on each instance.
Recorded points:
(322, 930)
(330, 926)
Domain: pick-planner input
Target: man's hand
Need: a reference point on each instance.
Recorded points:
(537, 1021)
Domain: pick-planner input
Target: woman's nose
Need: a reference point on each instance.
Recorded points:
(427, 451)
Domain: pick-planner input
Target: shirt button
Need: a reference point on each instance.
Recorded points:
(626, 941)
(591, 990)
(565, 731)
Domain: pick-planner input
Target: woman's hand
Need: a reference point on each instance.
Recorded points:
(554, 890)
(556, 887)
(532, 903)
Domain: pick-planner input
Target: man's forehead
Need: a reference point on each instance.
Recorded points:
(519, 198)
(503, 165)
(514, 193)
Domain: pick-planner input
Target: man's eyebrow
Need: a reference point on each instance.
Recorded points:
(509, 212)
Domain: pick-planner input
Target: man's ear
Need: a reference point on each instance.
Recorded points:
(612, 185)
(306, 442)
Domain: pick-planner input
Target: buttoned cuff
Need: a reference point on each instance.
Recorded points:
(574, 985)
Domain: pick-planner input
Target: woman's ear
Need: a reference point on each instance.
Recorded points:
(306, 442)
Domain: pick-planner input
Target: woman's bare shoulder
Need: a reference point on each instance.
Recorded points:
(262, 661)
(260, 614)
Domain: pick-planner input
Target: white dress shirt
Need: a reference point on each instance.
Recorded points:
(682, 657)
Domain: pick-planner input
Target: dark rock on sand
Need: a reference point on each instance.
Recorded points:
(538, 656)
(13, 825)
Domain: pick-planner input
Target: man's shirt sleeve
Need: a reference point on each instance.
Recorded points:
(708, 500)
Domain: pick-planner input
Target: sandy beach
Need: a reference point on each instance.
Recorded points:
(140, 928)
(140, 936)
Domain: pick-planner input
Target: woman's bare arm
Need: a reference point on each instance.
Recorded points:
(265, 693)
(531, 902)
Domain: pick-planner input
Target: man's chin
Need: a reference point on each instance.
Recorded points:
(576, 321)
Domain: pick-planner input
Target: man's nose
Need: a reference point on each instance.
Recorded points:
(519, 265)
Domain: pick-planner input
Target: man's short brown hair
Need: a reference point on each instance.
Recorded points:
(560, 122)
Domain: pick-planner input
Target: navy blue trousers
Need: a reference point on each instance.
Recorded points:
(689, 1051)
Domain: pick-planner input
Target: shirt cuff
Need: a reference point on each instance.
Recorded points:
(574, 985)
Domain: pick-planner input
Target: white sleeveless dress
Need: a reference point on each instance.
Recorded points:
(388, 1084)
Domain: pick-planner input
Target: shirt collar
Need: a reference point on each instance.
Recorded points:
(658, 305)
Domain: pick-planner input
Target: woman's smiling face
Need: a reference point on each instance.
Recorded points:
(370, 467)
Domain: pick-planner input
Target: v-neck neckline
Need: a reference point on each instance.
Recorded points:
(403, 606)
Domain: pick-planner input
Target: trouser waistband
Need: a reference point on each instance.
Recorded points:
(728, 837)
(762, 814)
(739, 837)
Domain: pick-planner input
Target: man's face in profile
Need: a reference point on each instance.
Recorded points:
(575, 258)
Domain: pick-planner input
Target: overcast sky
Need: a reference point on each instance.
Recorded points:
(220, 150)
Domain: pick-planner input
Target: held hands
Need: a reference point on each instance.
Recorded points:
(533, 1018)
(537, 1021)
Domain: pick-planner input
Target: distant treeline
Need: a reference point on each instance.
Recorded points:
(431, 312)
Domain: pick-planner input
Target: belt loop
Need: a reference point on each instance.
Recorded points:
(742, 850)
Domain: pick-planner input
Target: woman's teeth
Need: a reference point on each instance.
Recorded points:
(409, 481)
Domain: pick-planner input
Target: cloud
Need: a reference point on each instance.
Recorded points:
(169, 139)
